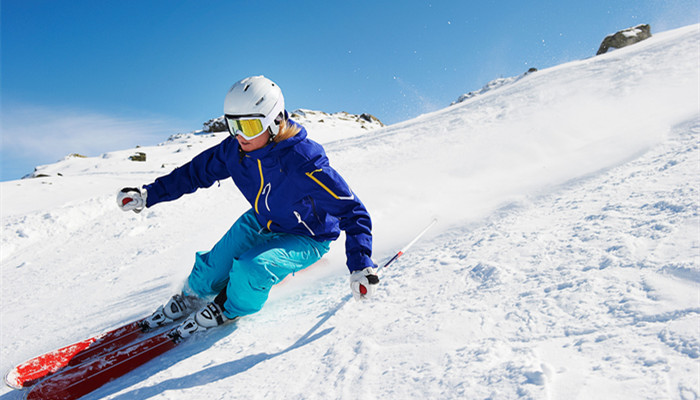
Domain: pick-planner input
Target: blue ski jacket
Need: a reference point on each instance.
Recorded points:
(290, 185)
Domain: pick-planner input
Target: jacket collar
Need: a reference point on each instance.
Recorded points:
(273, 148)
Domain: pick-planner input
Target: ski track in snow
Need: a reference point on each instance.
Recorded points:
(573, 271)
(569, 281)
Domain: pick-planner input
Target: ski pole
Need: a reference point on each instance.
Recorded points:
(405, 248)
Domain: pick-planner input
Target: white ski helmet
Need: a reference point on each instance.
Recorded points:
(252, 105)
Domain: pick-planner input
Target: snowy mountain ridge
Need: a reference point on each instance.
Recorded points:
(566, 261)
(321, 126)
(492, 85)
(305, 117)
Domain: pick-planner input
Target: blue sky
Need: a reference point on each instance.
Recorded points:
(92, 76)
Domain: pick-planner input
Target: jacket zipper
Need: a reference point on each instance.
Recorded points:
(301, 221)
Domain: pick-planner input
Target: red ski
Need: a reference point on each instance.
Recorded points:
(82, 379)
(31, 371)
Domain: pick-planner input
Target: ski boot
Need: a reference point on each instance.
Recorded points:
(208, 317)
(177, 307)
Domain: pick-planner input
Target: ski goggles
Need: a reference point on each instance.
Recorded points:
(249, 127)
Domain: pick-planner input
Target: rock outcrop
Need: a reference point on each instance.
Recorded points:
(625, 37)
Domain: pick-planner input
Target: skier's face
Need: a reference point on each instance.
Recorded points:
(253, 144)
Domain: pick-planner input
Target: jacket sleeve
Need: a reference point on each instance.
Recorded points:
(205, 169)
(332, 194)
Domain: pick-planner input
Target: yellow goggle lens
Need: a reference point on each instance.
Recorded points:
(246, 127)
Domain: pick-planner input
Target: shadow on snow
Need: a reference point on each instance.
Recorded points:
(211, 374)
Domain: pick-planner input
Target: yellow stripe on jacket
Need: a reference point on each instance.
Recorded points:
(335, 196)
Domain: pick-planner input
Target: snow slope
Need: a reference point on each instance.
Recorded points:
(566, 263)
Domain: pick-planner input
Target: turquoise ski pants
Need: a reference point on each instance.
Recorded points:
(248, 261)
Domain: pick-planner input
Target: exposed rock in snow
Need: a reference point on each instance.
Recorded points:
(625, 38)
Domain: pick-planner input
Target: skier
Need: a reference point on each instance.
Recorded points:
(299, 204)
